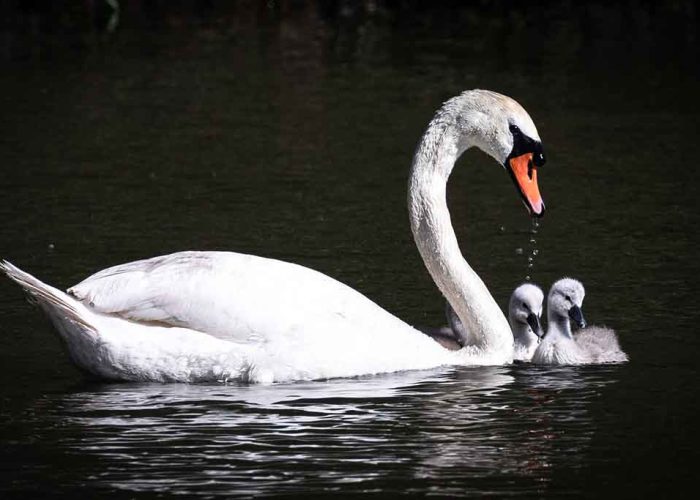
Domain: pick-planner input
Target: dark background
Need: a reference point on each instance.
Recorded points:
(286, 129)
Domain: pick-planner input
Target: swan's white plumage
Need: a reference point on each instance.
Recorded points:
(115, 348)
(204, 316)
(477, 118)
(233, 296)
(364, 339)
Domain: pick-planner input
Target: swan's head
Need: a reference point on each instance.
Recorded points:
(565, 300)
(525, 308)
(500, 127)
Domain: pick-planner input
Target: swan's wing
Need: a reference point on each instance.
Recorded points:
(231, 296)
(152, 290)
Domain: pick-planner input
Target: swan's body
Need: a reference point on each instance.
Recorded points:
(559, 346)
(311, 345)
(199, 316)
(524, 312)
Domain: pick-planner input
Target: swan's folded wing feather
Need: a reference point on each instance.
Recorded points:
(229, 295)
(153, 291)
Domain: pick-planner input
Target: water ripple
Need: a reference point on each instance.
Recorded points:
(443, 426)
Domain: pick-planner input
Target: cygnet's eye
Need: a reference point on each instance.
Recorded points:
(525, 306)
(568, 299)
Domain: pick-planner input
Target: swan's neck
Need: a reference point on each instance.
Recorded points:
(558, 325)
(444, 141)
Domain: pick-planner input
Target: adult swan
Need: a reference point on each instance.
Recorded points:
(219, 316)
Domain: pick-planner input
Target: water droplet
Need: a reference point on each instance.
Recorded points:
(535, 251)
(527, 278)
(518, 251)
(533, 227)
(51, 246)
(529, 259)
(533, 240)
(530, 265)
(502, 229)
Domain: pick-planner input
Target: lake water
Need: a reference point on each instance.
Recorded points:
(287, 131)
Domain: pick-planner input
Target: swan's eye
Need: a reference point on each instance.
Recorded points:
(568, 299)
(524, 305)
(513, 128)
(538, 159)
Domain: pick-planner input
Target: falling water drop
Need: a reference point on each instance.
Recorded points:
(532, 248)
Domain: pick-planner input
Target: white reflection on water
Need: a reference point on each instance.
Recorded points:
(452, 430)
(517, 434)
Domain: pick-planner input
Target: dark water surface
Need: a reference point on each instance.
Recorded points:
(288, 132)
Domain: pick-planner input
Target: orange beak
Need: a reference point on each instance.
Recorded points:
(524, 174)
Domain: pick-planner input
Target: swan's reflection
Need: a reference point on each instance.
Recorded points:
(451, 425)
(540, 421)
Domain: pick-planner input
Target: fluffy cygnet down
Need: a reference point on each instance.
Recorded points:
(559, 346)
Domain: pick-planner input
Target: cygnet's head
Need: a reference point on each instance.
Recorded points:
(525, 308)
(565, 300)
(500, 127)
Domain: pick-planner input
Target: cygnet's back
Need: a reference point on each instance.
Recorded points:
(601, 343)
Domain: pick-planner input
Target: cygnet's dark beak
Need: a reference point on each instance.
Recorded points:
(534, 323)
(577, 316)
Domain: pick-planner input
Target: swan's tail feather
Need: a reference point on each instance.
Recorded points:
(57, 304)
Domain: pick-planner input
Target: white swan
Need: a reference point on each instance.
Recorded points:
(201, 316)
(559, 346)
(524, 312)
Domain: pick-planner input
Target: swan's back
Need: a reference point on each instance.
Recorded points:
(237, 297)
(601, 344)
